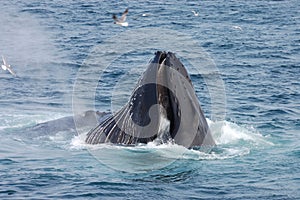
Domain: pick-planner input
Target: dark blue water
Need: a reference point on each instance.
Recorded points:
(244, 61)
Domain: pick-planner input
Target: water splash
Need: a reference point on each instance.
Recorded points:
(225, 132)
(232, 140)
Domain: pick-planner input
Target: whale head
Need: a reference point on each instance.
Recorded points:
(163, 107)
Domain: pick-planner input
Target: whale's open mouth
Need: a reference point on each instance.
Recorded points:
(162, 106)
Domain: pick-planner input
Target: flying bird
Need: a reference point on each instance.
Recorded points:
(122, 20)
(195, 13)
(237, 27)
(7, 67)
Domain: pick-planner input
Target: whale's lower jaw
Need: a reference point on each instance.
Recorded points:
(162, 107)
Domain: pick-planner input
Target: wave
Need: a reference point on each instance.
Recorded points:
(232, 140)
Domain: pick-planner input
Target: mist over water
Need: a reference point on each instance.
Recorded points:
(254, 47)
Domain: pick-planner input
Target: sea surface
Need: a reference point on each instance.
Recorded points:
(244, 61)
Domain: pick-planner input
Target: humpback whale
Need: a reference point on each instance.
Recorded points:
(84, 121)
(163, 107)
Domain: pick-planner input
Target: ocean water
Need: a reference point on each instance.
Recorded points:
(244, 61)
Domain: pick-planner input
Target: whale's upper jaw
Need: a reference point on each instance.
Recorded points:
(169, 68)
(162, 105)
(176, 94)
(169, 60)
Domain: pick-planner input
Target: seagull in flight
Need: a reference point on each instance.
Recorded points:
(195, 13)
(122, 20)
(237, 27)
(7, 67)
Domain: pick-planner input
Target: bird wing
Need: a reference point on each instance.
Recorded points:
(11, 71)
(123, 17)
(4, 62)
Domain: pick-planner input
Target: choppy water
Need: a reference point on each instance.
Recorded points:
(53, 45)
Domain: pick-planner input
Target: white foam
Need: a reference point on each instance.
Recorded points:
(78, 142)
(232, 140)
(225, 132)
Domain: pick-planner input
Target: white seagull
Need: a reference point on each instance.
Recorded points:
(122, 19)
(237, 27)
(7, 67)
(195, 13)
